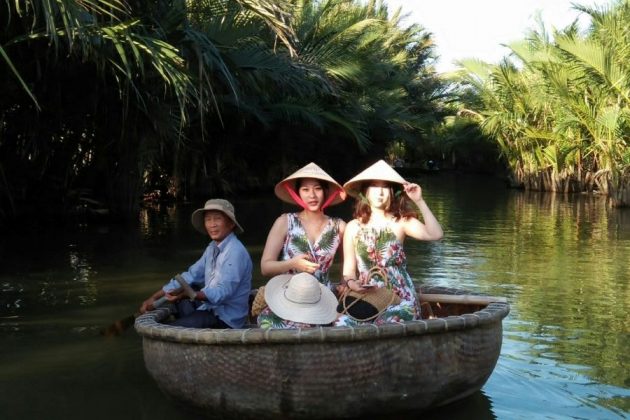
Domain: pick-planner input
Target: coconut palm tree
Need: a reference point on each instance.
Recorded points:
(357, 45)
(561, 115)
(123, 90)
(102, 93)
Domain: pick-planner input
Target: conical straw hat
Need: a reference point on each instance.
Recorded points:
(309, 171)
(380, 171)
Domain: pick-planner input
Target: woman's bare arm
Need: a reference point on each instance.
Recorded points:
(269, 263)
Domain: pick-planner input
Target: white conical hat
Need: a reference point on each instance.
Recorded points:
(380, 171)
(309, 171)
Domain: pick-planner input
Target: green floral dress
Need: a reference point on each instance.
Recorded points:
(268, 319)
(297, 243)
(322, 251)
(374, 247)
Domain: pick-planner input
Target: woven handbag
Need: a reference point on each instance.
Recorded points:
(259, 302)
(368, 305)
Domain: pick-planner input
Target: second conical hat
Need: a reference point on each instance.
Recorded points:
(380, 171)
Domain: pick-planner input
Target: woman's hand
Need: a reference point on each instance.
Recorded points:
(358, 286)
(303, 263)
(413, 191)
(341, 288)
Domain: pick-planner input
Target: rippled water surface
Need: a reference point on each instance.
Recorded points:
(563, 263)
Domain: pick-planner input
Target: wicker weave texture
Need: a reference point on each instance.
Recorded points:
(324, 372)
(325, 380)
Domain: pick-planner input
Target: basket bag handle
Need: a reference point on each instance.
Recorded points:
(380, 298)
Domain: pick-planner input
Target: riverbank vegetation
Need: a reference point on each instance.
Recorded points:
(558, 106)
(105, 102)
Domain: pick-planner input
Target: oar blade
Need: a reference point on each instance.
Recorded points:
(118, 327)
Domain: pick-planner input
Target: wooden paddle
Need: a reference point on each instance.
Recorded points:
(469, 299)
(120, 326)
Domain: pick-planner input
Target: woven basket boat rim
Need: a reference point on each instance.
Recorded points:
(148, 326)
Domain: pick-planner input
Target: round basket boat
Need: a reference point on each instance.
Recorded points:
(330, 372)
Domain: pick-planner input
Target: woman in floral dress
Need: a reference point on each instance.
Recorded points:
(305, 241)
(386, 213)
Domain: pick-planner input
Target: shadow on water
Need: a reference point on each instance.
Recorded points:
(561, 261)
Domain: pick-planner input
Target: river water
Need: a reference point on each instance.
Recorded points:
(563, 263)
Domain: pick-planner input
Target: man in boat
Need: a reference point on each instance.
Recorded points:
(222, 276)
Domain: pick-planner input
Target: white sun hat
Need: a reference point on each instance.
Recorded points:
(301, 298)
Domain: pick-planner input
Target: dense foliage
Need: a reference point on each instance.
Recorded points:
(559, 106)
(106, 99)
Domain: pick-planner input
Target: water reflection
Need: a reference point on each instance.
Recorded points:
(66, 286)
(561, 261)
(159, 219)
(547, 384)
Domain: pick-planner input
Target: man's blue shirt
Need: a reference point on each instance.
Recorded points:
(224, 274)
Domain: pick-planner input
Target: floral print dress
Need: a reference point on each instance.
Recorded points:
(322, 251)
(380, 247)
(267, 319)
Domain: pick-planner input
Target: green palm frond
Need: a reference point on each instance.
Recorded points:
(384, 240)
(563, 106)
(327, 240)
(362, 252)
(17, 75)
(271, 320)
(599, 63)
(301, 244)
(357, 128)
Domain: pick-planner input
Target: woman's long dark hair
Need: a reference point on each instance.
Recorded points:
(400, 206)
